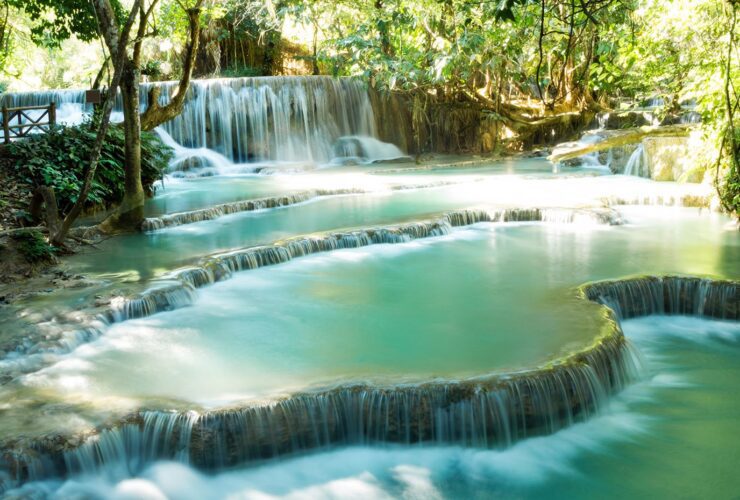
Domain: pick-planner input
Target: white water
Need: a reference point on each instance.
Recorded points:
(277, 119)
(637, 164)
(363, 149)
(205, 158)
(590, 160)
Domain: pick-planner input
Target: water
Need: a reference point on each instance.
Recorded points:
(352, 307)
(227, 123)
(316, 309)
(280, 119)
(673, 434)
(491, 260)
(637, 164)
(378, 330)
(145, 256)
(71, 107)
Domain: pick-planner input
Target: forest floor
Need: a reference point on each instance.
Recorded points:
(14, 199)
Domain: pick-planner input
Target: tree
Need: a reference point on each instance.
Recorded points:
(117, 40)
(729, 188)
(87, 20)
(130, 212)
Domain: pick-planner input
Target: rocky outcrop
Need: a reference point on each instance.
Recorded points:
(610, 139)
(669, 159)
(623, 120)
(419, 123)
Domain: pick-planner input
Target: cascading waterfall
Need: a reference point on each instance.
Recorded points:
(588, 160)
(593, 159)
(178, 289)
(361, 149)
(223, 266)
(70, 104)
(649, 295)
(638, 163)
(690, 116)
(492, 411)
(488, 411)
(210, 213)
(284, 119)
(262, 119)
(214, 212)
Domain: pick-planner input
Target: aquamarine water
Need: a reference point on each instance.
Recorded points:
(674, 434)
(493, 297)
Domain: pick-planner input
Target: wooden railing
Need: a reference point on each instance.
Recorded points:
(24, 128)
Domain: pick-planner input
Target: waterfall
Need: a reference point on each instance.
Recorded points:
(493, 411)
(638, 163)
(488, 411)
(363, 149)
(668, 295)
(70, 104)
(690, 116)
(591, 159)
(551, 215)
(284, 119)
(210, 213)
(158, 299)
(587, 160)
(261, 119)
(223, 266)
(178, 288)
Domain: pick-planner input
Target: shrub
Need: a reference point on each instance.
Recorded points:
(57, 159)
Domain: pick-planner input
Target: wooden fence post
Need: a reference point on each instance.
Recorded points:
(52, 115)
(6, 129)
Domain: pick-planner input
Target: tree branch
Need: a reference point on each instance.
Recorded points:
(156, 114)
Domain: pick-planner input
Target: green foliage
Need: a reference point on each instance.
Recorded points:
(58, 160)
(569, 54)
(33, 246)
(57, 20)
(729, 185)
(505, 9)
(730, 192)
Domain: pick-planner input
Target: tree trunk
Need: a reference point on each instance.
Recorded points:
(101, 74)
(130, 213)
(52, 210)
(315, 59)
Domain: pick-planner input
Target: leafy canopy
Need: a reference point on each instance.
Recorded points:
(57, 20)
